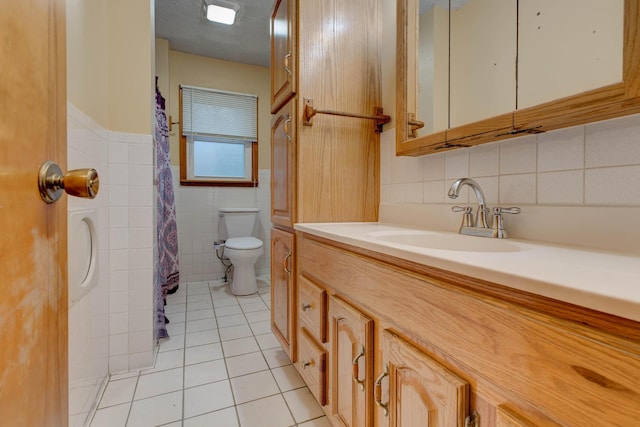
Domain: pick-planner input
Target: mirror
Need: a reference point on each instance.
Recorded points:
(513, 67)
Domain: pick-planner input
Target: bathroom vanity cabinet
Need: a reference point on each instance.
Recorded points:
(325, 169)
(389, 342)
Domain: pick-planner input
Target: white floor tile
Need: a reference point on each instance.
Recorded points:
(201, 325)
(223, 418)
(233, 320)
(207, 313)
(229, 310)
(267, 341)
(207, 398)
(191, 370)
(175, 342)
(260, 328)
(253, 386)
(203, 373)
(156, 410)
(318, 422)
(303, 405)
(199, 305)
(254, 306)
(202, 337)
(268, 412)
(176, 328)
(235, 332)
(258, 316)
(175, 308)
(287, 378)
(245, 364)
(276, 357)
(159, 383)
(202, 353)
(240, 346)
(113, 416)
(167, 360)
(118, 392)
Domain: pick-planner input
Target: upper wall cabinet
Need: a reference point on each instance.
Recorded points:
(283, 49)
(511, 67)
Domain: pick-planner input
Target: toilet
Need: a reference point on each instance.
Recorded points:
(242, 249)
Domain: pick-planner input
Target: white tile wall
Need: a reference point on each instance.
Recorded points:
(110, 328)
(87, 146)
(197, 214)
(592, 165)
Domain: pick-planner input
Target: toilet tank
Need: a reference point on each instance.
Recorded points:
(238, 222)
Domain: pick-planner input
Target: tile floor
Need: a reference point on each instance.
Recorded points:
(222, 367)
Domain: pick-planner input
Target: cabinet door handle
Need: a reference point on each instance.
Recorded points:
(378, 391)
(286, 64)
(305, 307)
(286, 128)
(305, 365)
(285, 263)
(356, 369)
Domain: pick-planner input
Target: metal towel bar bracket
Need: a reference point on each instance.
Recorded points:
(309, 112)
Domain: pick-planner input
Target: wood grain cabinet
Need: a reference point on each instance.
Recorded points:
(283, 50)
(283, 165)
(282, 291)
(351, 364)
(409, 345)
(421, 391)
(325, 169)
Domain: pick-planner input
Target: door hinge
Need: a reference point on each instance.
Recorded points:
(472, 420)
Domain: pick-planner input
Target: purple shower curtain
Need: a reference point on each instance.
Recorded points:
(167, 277)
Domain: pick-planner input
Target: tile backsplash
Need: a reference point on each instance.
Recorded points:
(592, 165)
(579, 185)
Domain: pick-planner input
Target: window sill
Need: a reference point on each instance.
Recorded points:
(197, 183)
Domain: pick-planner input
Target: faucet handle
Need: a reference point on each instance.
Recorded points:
(512, 210)
(467, 218)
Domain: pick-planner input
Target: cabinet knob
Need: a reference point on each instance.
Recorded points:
(305, 365)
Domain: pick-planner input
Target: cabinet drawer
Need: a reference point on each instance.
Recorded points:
(312, 365)
(312, 308)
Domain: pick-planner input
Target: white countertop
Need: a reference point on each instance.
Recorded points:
(603, 281)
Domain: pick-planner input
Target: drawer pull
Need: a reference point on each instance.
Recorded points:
(285, 263)
(356, 370)
(378, 391)
(305, 307)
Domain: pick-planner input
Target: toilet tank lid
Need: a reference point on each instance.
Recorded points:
(227, 210)
(243, 243)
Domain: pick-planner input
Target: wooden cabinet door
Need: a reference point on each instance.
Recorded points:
(351, 364)
(282, 289)
(422, 392)
(283, 51)
(283, 166)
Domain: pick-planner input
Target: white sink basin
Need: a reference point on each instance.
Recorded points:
(443, 241)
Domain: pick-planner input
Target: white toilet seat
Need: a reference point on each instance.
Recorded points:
(243, 243)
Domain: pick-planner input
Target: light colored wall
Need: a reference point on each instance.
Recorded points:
(200, 71)
(109, 82)
(197, 207)
(575, 185)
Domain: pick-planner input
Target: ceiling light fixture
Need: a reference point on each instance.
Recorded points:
(222, 12)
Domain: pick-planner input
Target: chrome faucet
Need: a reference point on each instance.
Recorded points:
(481, 225)
(454, 191)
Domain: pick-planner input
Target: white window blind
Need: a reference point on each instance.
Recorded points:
(218, 113)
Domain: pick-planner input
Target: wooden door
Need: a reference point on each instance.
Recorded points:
(283, 51)
(33, 248)
(282, 289)
(351, 364)
(283, 166)
(421, 391)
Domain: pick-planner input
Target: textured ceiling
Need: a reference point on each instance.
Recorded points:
(183, 23)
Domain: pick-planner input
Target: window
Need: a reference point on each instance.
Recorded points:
(218, 138)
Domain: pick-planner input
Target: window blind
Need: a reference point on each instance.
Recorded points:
(218, 113)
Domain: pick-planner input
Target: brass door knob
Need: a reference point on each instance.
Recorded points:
(78, 182)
